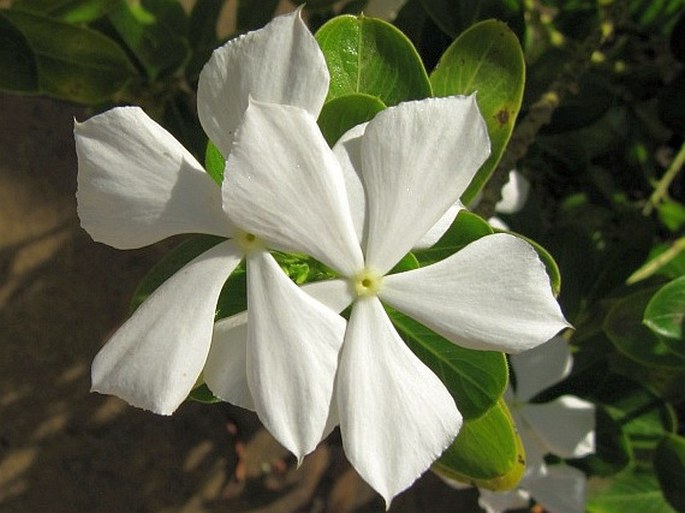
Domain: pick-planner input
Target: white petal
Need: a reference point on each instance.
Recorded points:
(280, 63)
(514, 194)
(533, 446)
(335, 294)
(225, 371)
(566, 425)
(284, 184)
(492, 295)
(418, 158)
(562, 490)
(396, 416)
(438, 229)
(292, 356)
(541, 367)
(137, 184)
(155, 358)
(497, 502)
(348, 150)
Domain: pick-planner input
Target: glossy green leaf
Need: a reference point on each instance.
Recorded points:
(669, 465)
(623, 325)
(369, 56)
(215, 163)
(631, 490)
(71, 11)
(71, 62)
(344, 112)
(487, 452)
(202, 394)
(487, 59)
(672, 214)
(466, 228)
(476, 379)
(665, 314)
(153, 31)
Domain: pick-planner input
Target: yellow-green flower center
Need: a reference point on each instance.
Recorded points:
(366, 282)
(248, 242)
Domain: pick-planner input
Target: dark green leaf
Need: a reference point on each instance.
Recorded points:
(665, 314)
(466, 228)
(672, 214)
(344, 112)
(203, 394)
(20, 73)
(487, 59)
(487, 452)
(202, 23)
(370, 56)
(669, 465)
(454, 16)
(612, 448)
(70, 11)
(623, 325)
(153, 31)
(476, 379)
(72, 62)
(631, 490)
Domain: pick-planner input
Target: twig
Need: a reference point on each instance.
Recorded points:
(661, 190)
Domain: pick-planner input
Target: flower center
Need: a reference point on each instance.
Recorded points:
(366, 282)
(248, 242)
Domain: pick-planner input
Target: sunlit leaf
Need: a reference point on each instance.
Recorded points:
(487, 59)
(369, 56)
(342, 113)
(215, 163)
(487, 452)
(476, 379)
(466, 228)
(665, 314)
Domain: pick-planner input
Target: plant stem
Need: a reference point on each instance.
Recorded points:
(661, 190)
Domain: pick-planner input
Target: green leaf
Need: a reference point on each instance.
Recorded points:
(672, 214)
(487, 59)
(344, 112)
(215, 163)
(476, 379)
(153, 31)
(612, 448)
(202, 394)
(20, 73)
(665, 314)
(70, 11)
(487, 452)
(466, 228)
(170, 264)
(623, 325)
(202, 23)
(550, 264)
(669, 465)
(631, 490)
(71, 62)
(369, 56)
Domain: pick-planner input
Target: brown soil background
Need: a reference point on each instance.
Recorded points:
(65, 450)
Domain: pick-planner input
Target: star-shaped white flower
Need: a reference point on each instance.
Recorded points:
(413, 162)
(564, 427)
(138, 185)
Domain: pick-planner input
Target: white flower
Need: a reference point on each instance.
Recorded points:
(514, 196)
(563, 427)
(138, 185)
(414, 160)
